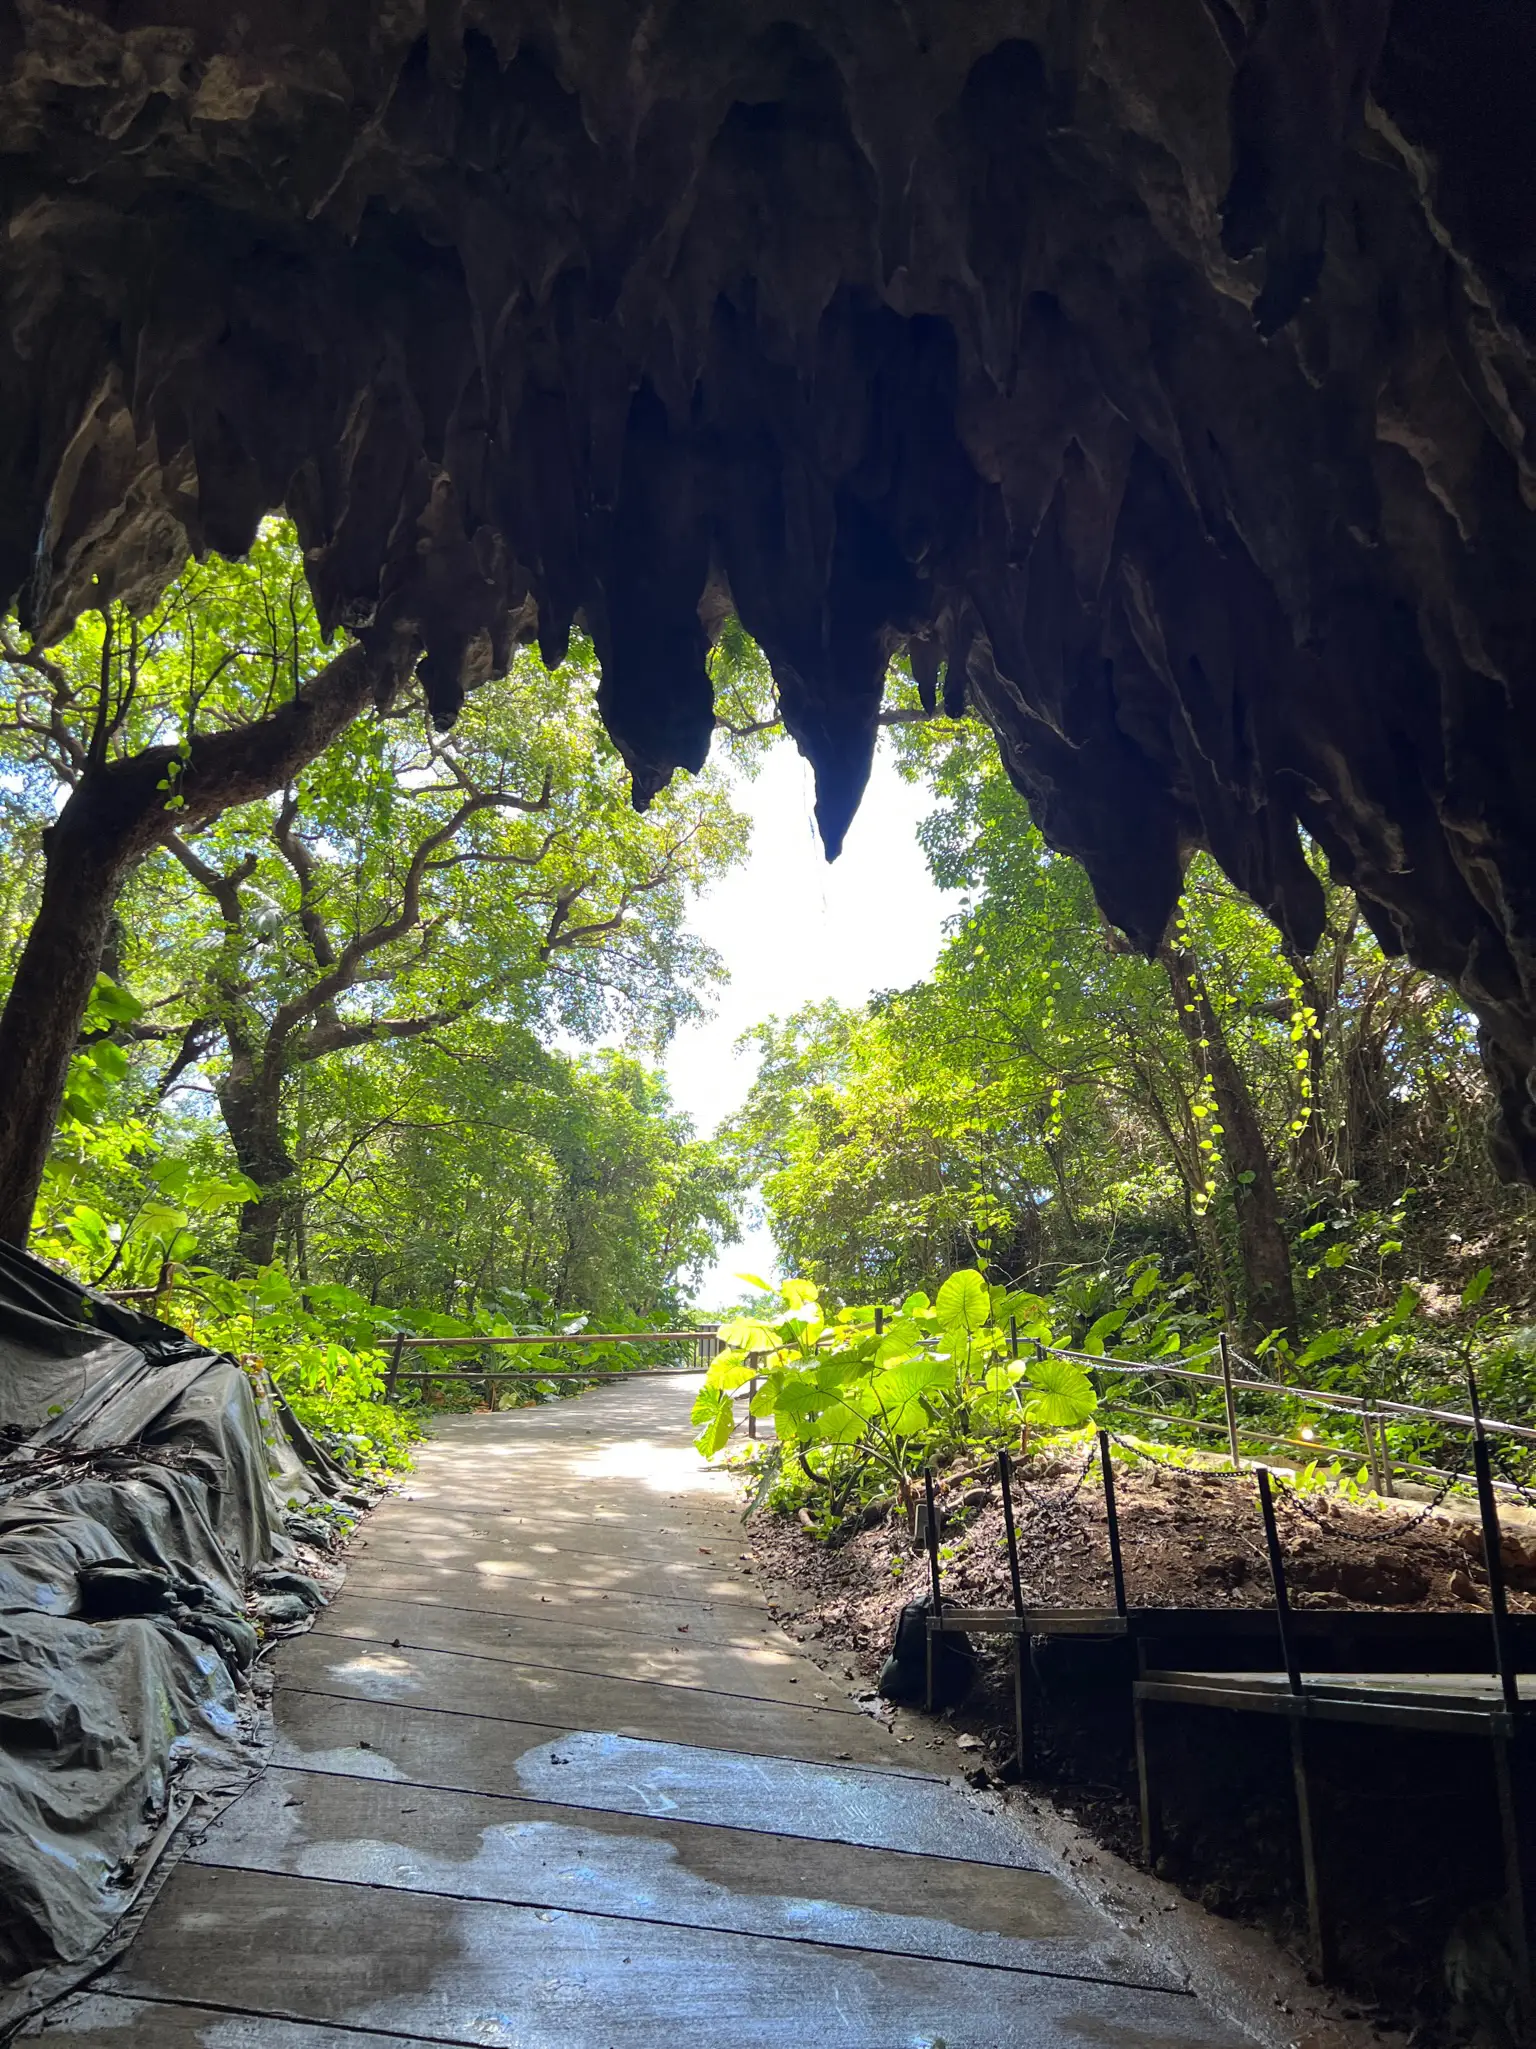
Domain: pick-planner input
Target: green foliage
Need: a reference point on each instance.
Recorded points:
(938, 1378)
(332, 1083)
(1055, 1109)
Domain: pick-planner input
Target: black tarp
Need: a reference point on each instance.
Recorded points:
(147, 1491)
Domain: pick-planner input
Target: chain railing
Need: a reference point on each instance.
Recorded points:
(1237, 1375)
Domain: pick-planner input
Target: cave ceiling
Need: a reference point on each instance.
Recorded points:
(1159, 373)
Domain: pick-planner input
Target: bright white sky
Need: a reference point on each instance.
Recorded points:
(793, 930)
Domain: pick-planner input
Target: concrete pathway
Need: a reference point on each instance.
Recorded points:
(548, 1777)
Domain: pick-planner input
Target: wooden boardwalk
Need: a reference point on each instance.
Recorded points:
(548, 1777)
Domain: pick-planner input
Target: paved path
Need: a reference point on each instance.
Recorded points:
(548, 1777)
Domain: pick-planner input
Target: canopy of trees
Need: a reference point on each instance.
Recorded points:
(1302, 1135)
(333, 1023)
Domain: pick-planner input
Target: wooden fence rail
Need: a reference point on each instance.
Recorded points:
(703, 1339)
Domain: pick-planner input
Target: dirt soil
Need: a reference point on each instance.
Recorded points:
(1188, 1538)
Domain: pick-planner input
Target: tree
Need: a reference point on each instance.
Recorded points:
(151, 727)
(412, 879)
(476, 1173)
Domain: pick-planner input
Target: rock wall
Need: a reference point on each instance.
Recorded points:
(1159, 371)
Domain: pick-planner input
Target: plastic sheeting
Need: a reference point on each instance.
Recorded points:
(146, 1492)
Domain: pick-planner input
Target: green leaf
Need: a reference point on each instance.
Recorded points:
(1323, 1346)
(963, 1303)
(717, 1413)
(1103, 1330)
(1061, 1397)
(728, 1370)
(748, 1334)
(1477, 1287)
(110, 1003)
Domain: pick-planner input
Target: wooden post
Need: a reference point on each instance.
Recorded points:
(1151, 1809)
(1231, 1402)
(394, 1366)
(1314, 1862)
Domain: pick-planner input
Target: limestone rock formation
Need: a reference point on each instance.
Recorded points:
(1158, 371)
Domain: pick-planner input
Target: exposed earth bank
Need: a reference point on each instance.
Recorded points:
(1190, 1538)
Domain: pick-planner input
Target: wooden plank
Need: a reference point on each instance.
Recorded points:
(985, 1621)
(574, 1337)
(1430, 1702)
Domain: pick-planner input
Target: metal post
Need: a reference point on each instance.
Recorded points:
(1005, 1478)
(879, 1319)
(1493, 1552)
(752, 1397)
(1231, 1401)
(935, 1597)
(1514, 1766)
(1277, 1575)
(1013, 1337)
(394, 1366)
(1020, 1738)
(1384, 1458)
(1373, 1461)
(1116, 1562)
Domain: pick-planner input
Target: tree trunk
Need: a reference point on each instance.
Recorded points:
(251, 1099)
(1269, 1296)
(116, 814)
(88, 851)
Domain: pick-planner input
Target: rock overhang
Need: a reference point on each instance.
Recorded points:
(1158, 374)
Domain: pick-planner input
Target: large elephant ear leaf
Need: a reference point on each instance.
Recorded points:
(1061, 1395)
(963, 1303)
(750, 1334)
(715, 1411)
(729, 1370)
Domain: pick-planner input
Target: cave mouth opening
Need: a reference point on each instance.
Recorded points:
(1159, 384)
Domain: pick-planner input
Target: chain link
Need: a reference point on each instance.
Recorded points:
(1525, 1492)
(1063, 1495)
(1138, 1448)
(1290, 1497)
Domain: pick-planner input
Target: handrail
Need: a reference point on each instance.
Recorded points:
(1319, 1397)
(566, 1337)
(701, 1336)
